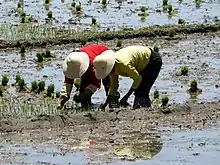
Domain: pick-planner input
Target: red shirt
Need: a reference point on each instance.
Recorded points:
(92, 50)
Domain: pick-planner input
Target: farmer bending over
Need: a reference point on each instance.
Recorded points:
(140, 63)
(79, 64)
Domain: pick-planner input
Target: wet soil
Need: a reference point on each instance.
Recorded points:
(112, 135)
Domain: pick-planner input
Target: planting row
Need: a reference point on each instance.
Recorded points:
(36, 87)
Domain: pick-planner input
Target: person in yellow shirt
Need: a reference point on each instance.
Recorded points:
(140, 63)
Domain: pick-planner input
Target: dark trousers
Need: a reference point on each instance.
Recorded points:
(85, 81)
(149, 75)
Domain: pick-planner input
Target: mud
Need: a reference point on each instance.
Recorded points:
(129, 135)
(203, 12)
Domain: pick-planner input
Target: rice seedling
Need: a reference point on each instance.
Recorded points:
(94, 21)
(184, 71)
(119, 44)
(156, 48)
(83, 41)
(78, 8)
(41, 86)
(57, 94)
(19, 5)
(50, 14)
(21, 85)
(165, 101)
(181, 21)
(47, 1)
(1, 91)
(194, 87)
(73, 4)
(104, 2)
(50, 90)
(171, 33)
(156, 94)
(170, 9)
(22, 49)
(143, 12)
(40, 57)
(17, 78)
(34, 86)
(5, 80)
(165, 2)
(198, 3)
(48, 54)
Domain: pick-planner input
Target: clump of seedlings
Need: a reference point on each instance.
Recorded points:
(46, 54)
(50, 90)
(41, 86)
(184, 71)
(165, 101)
(181, 21)
(26, 18)
(194, 87)
(34, 86)
(5, 80)
(156, 48)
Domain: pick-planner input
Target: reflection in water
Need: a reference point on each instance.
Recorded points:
(139, 149)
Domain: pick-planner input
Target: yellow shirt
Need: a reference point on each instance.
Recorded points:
(129, 62)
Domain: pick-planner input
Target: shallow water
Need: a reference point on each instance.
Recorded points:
(182, 148)
(188, 148)
(112, 16)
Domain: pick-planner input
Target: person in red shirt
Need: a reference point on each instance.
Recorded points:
(79, 64)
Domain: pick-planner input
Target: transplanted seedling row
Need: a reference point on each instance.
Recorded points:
(37, 87)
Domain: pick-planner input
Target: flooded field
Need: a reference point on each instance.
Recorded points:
(199, 53)
(113, 14)
(34, 131)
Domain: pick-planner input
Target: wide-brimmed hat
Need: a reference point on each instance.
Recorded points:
(104, 64)
(75, 64)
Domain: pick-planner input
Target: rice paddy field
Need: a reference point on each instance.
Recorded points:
(37, 35)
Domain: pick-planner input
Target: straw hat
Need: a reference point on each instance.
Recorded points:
(75, 65)
(104, 64)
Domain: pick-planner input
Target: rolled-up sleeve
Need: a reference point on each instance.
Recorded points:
(113, 84)
(133, 74)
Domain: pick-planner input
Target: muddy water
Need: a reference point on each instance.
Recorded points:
(185, 148)
(115, 15)
(200, 55)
